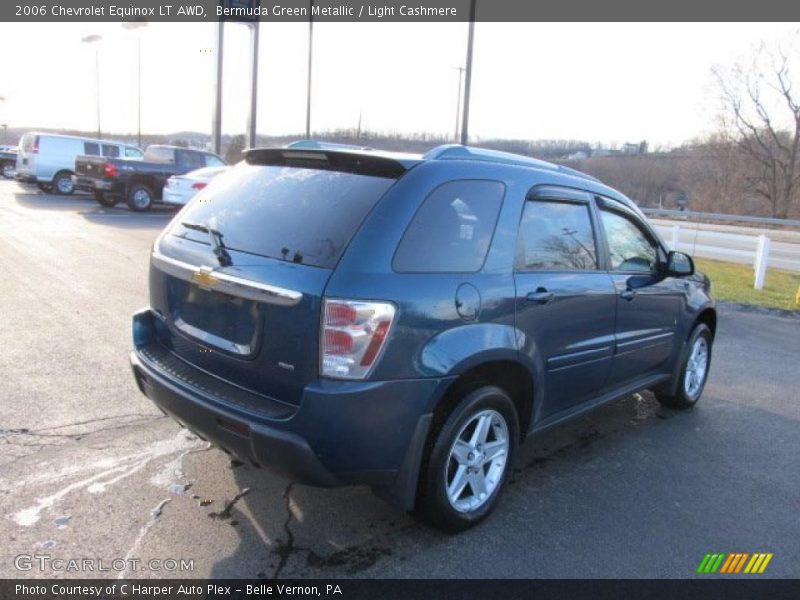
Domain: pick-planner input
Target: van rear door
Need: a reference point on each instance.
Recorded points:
(28, 154)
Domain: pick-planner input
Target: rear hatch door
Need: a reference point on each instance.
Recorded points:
(239, 274)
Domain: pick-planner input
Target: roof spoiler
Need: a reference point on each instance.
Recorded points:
(342, 160)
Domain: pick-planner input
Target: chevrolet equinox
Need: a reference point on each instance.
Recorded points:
(348, 316)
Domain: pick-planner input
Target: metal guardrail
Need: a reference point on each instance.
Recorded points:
(704, 216)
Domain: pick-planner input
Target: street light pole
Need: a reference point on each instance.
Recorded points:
(468, 78)
(130, 26)
(91, 39)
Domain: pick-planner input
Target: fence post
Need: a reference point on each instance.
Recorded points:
(676, 236)
(762, 259)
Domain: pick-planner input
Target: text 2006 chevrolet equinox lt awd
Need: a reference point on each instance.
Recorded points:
(346, 316)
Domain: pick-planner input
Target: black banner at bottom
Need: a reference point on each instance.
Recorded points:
(399, 589)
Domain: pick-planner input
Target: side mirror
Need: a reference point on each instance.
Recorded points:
(679, 264)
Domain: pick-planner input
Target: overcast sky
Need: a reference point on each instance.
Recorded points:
(596, 82)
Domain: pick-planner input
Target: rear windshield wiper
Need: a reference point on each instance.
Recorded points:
(217, 244)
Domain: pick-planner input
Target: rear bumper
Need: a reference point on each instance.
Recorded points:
(25, 177)
(170, 197)
(342, 432)
(90, 184)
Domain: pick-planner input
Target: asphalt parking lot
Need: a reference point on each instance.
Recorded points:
(90, 469)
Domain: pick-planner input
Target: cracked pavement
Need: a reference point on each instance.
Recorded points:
(90, 469)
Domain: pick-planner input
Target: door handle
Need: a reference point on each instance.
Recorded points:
(540, 296)
(628, 295)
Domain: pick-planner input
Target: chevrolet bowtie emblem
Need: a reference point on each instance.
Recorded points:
(204, 279)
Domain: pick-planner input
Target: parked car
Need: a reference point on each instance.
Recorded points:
(8, 161)
(48, 159)
(179, 189)
(360, 317)
(139, 183)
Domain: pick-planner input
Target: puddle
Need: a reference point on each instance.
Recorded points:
(62, 521)
(179, 488)
(156, 512)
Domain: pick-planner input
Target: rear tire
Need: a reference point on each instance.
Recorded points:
(106, 200)
(62, 183)
(468, 462)
(694, 370)
(8, 168)
(140, 198)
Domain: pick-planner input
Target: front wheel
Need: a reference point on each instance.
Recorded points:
(140, 198)
(468, 463)
(694, 371)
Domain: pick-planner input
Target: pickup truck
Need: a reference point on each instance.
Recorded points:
(8, 162)
(138, 182)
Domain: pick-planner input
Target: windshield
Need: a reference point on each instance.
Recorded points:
(306, 216)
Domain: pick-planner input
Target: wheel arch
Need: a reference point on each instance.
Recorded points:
(707, 316)
(507, 373)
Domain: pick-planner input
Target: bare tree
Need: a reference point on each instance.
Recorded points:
(762, 116)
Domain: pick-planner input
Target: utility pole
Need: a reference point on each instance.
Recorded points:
(310, 59)
(458, 101)
(216, 118)
(251, 116)
(468, 78)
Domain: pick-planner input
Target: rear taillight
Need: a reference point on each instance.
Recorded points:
(110, 170)
(199, 185)
(353, 335)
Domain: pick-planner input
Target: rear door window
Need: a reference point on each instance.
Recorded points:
(299, 215)
(110, 151)
(555, 235)
(452, 230)
(133, 152)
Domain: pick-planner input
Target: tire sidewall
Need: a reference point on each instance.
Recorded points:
(105, 199)
(443, 514)
(5, 166)
(700, 330)
(132, 205)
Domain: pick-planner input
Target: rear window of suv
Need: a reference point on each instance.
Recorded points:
(300, 215)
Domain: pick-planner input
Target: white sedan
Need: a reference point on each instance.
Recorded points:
(182, 188)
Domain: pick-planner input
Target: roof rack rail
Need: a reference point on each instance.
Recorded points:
(459, 152)
(318, 145)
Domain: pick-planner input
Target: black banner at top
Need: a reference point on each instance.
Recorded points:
(394, 10)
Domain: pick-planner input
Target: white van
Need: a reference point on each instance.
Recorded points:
(48, 159)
